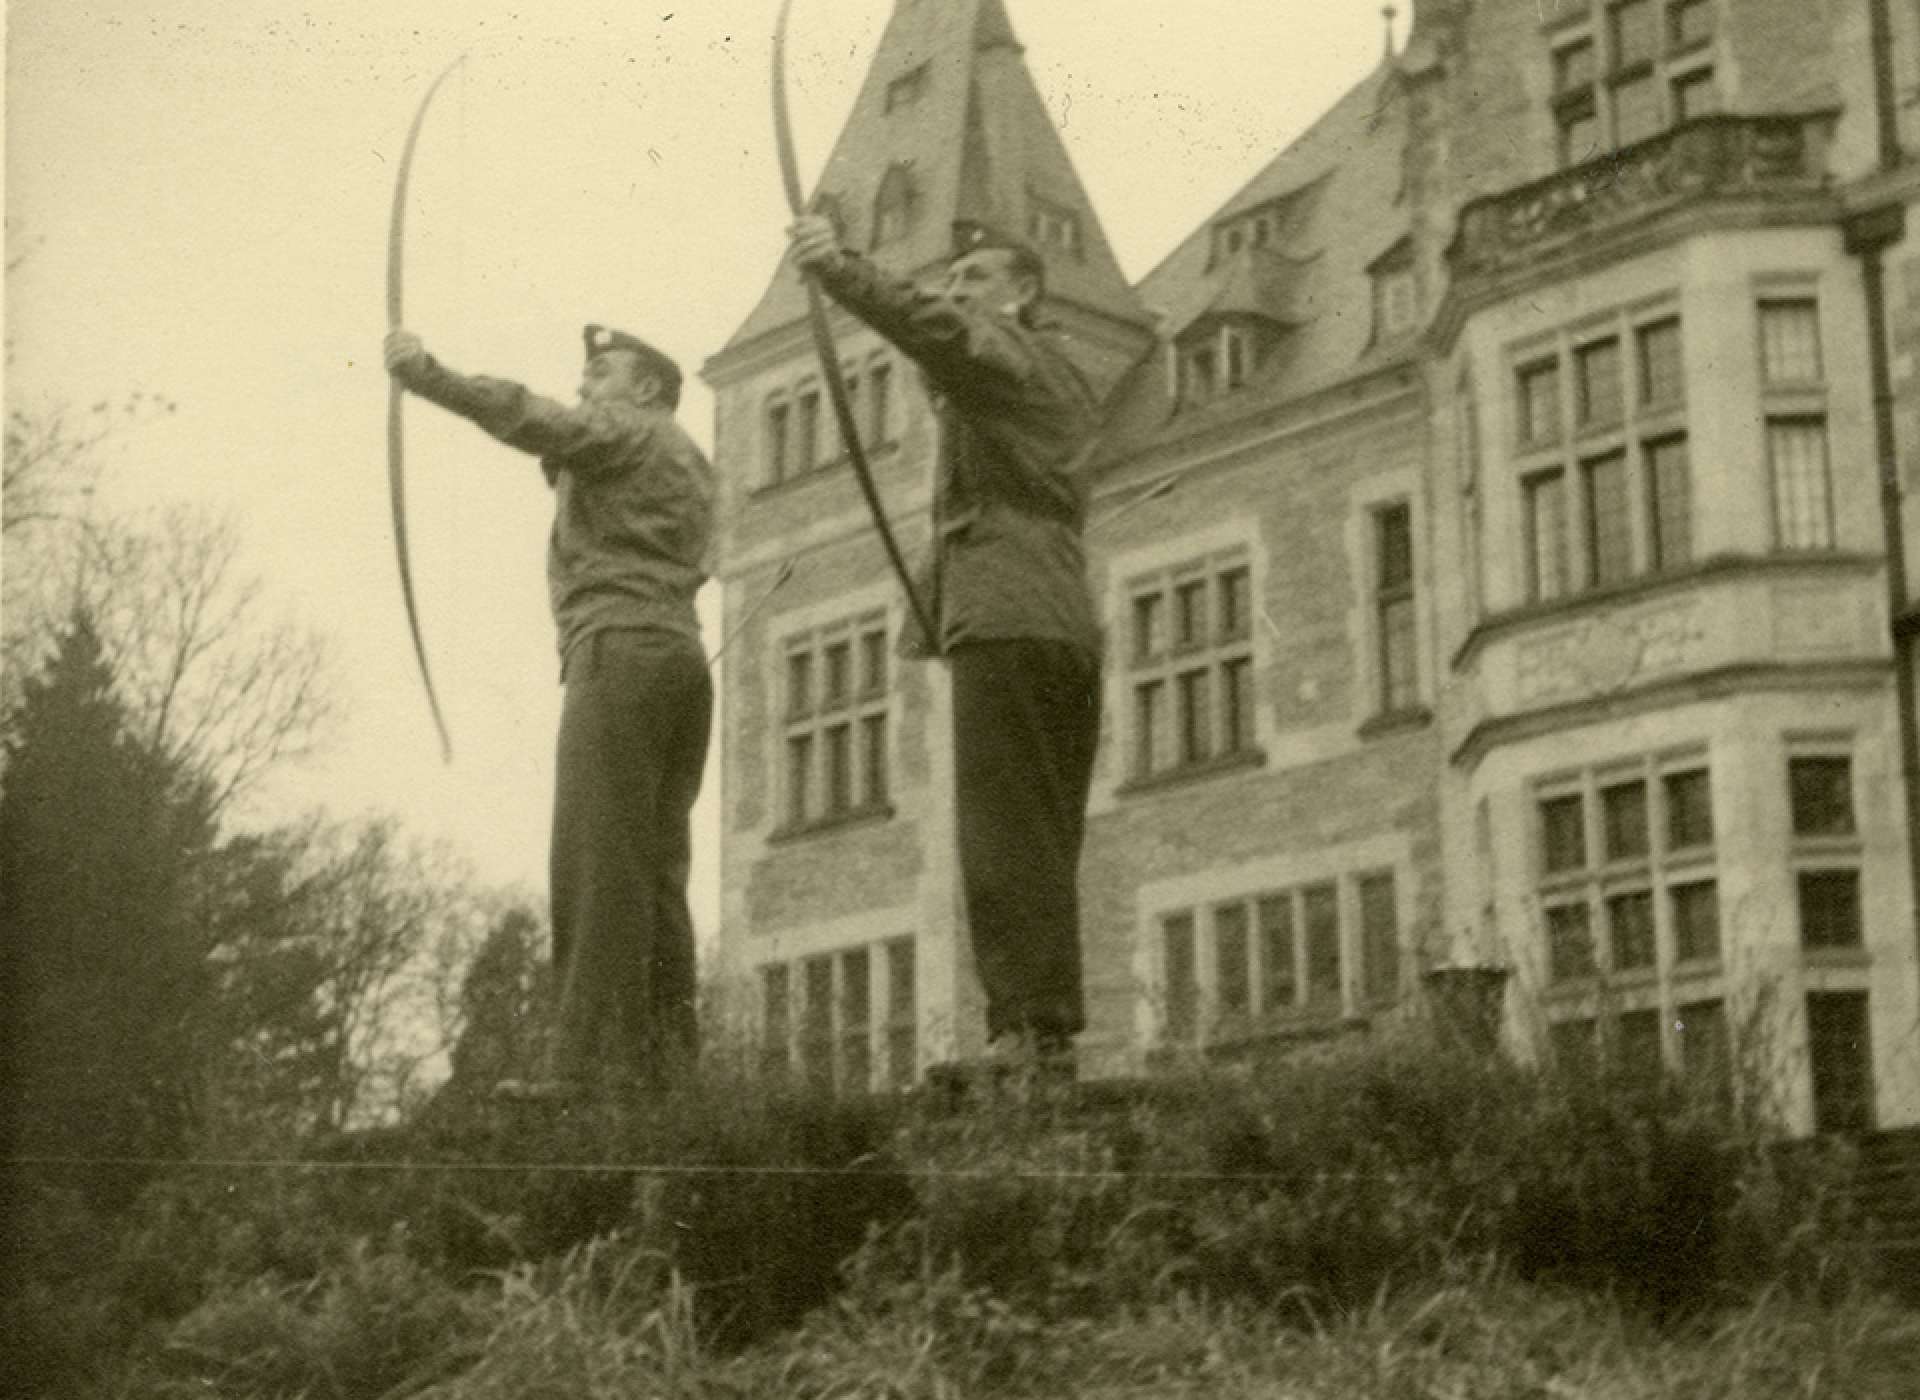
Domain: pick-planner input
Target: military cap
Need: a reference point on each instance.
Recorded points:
(970, 236)
(600, 339)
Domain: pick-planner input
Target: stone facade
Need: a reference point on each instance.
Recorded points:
(1494, 559)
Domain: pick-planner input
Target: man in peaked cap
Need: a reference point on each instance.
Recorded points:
(1011, 604)
(632, 533)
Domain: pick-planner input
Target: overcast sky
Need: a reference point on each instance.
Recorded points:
(205, 188)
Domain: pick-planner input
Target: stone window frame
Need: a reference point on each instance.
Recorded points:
(1387, 704)
(809, 722)
(1230, 352)
(826, 1043)
(1666, 869)
(1159, 662)
(1674, 66)
(896, 206)
(1192, 1009)
(783, 415)
(1831, 855)
(1637, 437)
(1794, 402)
(908, 89)
(1396, 294)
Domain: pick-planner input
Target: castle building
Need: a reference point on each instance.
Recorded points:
(1500, 539)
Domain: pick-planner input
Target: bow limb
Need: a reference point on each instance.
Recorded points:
(396, 436)
(823, 339)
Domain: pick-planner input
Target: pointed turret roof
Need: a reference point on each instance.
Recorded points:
(950, 121)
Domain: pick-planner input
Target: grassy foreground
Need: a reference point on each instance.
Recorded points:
(1386, 1218)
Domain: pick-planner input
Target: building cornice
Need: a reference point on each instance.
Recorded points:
(1597, 600)
(1716, 684)
(1712, 174)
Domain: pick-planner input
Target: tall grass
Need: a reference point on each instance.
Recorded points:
(1390, 1214)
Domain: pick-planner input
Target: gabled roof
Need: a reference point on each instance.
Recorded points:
(1339, 184)
(974, 138)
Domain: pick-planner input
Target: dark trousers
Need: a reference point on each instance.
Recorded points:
(633, 743)
(1026, 722)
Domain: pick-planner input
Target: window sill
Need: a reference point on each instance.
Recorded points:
(1849, 958)
(824, 826)
(1239, 762)
(768, 490)
(1697, 969)
(1396, 722)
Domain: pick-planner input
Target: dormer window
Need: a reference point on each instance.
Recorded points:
(1053, 226)
(1218, 360)
(1259, 227)
(893, 207)
(907, 89)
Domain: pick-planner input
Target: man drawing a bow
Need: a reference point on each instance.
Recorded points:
(1011, 604)
(632, 531)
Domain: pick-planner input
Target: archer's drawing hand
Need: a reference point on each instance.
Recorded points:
(815, 244)
(405, 353)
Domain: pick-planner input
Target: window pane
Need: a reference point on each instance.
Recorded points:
(1563, 830)
(1393, 545)
(1236, 683)
(1696, 922)
(776, 1025)
(1182, 984)
(880, 404)
(1636, 110)
(1689, 809)
(1546, 522)
(778, 419)
(1797, 452)
(1609, 522)
(1639, 1044)
(873, 663)
(1573, 67)
(1662, 377)
(799, 778)
(839, 676)
(1230, 953)
(1380, 935)
(1630, 930)
(839, 751)
(1196, 728)
(1597, 382)
(1149, 626)
(1830, 908)
(1569, 943)
(873, 747)
(1149, 708)
(816, 1022)
(799, 683)
(1635, 32)
(1790, 340)
(1320, 908)
(1624, 812)
(1235, 619)
(856, 1021)
(1398, 686)
(1279, 986)
(1670, 507)
(1840, 1052)
(1706, 1058)
(1695, 95)
(902, 1013)
(1822, 795)
(806, 447)
(1540, 404)
(1190, 613)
